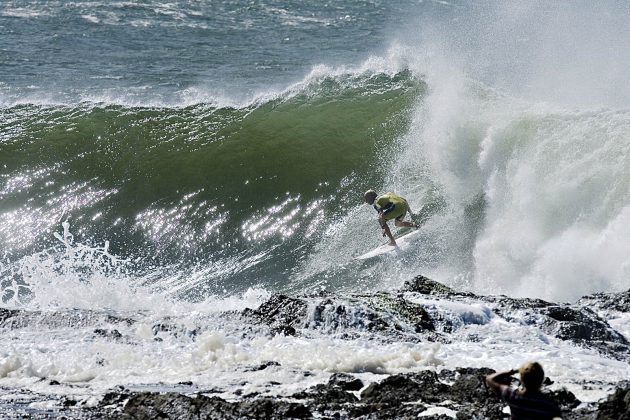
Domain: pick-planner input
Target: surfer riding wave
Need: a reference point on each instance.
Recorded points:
(389, 206)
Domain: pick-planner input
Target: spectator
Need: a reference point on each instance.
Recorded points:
(526, 402)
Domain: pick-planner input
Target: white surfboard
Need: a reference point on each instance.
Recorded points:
(403, 244)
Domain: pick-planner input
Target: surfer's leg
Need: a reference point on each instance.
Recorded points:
(400, 223)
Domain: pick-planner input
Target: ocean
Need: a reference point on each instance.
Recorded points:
(180, 160)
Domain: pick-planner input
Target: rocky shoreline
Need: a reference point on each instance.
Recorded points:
(458, 394)
(431, 394)
(424, 394)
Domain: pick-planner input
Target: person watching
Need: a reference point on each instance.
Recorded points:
(526, 402)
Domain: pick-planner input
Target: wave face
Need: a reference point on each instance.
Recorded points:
(231, 171)
(241, 192)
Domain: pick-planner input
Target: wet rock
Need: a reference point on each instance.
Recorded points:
(113, 334)
(280, 311)
(113, 319)
(345, 382)
(177, 406)
(163, 327)
(469, 386)
(617, 405)
(426, 286)
(322, 397)
(571, 324)
(332, 398)
(586, 328)
(578, 324)
(402, 311)
(262, 366)
(609, 301)
(525, 306)
(6, 314)
(115, 397)
(397, 389)
(285, 330)
(383, 412)
(565, 399)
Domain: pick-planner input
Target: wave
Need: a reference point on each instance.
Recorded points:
(232, 190)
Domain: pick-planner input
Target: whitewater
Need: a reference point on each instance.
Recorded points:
(211, 156)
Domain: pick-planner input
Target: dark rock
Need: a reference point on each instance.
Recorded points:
(323, 395)
(5, 314)
(112, 319)
(114, 334)
(401, 310)
(426, 286)
(187, 383)
(161, 327)
(492, 409)
(586, 328)
(580, 325)
(177, 406)
(285, 330)
(397, 389)
(584, 324)
(469, 387)
(610, 301)
(115, 397)
(279, 311)
(262, 366)
(505, 304)
(565, 399)
(384, 412)
(416, 314)
(345, 382)
(54, 382)
(617, 405)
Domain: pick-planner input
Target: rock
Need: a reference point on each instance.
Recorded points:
(114, 397)
(262, 366)
(400, 310)
(571, 324)
(617, 405)
(469, 386)
(426, 286)
(565, 399)
(281, 312)
(609, 301)
(397, 389)
(586, 328)
(285, 330)
(114, 334)
(5, 314)
(397, 396)
(148, 405)
(345, 382)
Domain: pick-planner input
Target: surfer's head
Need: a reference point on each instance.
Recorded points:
(532, 375)
(369, 196)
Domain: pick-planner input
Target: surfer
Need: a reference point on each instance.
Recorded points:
(526, 402)
(389, 206)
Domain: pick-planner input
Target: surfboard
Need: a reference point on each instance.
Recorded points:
(403, 244)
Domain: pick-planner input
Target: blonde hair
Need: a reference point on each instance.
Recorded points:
(532, 375)
(369, 196)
